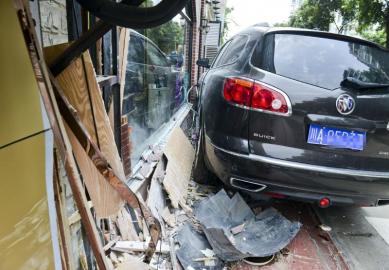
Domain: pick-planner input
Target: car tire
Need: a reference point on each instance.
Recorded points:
(201, 174)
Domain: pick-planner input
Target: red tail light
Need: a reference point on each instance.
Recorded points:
(256, 96)
(265, 98)
(238, 91)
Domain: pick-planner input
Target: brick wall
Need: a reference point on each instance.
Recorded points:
(125, 145)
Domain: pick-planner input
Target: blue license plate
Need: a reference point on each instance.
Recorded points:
(335, 137)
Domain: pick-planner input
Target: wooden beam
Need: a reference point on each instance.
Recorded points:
(105, 80)
(67, 260)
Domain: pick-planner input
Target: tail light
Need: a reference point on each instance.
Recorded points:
(238, 91)
(257, 96)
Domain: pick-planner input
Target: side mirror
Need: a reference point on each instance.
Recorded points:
(203, 62)
(171, 61)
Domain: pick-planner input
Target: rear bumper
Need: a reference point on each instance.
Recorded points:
(298, 180)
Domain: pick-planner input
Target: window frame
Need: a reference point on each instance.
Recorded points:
(223, 51)
(220, 54)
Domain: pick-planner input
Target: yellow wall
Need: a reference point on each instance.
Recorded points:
(25, 239)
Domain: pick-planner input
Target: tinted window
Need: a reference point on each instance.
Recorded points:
(232, 51)
(323, 62)
(136, 50)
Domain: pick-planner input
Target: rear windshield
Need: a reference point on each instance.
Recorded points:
(323, 62)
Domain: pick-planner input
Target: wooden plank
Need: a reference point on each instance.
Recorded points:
(105, 198)
(76, 217)
(124, 38)
(63, 225)
(180, 156)
(61, 140)
(79, 85)
(111, 243)
(106, 80)
(173, 256)
(155, 197)
(139, 246)
(133, 263)
(125, 225)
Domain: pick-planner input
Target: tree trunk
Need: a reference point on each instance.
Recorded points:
(386, 20)
(387, 34)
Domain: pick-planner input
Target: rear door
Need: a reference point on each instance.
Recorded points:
(225, 125)
(325, 111)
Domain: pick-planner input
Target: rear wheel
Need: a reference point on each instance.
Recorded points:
(201, 174)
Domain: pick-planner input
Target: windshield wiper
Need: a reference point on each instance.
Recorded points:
(356, 84)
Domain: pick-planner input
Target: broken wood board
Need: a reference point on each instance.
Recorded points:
(124, 39)
(132, 263)
(180, 156)
(168, 217)
(139, 246)
(106, 200)
(63, 224)
(125, 225)
(155, 196)
(75, 217)
(79, 84)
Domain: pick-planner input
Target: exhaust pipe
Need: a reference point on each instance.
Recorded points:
(381, 202)
(247, 185)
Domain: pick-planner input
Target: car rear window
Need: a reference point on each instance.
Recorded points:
(323, 62)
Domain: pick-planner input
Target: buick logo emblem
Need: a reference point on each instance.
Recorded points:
(345, 104)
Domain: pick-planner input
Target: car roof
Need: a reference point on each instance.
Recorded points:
(260, 29)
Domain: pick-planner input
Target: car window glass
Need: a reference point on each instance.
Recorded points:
(155, 57)
(324, 62)
(221, 52)
(233, 51)
(136, 50)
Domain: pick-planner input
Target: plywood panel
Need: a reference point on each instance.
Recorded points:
(105, 198)
(180, 155)
(78, 81)
(79, 84)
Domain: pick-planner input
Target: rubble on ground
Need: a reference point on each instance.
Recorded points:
(203, 227)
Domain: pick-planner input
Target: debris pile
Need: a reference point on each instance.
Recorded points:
(203, 228)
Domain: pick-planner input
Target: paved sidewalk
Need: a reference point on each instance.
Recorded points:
(360, 234)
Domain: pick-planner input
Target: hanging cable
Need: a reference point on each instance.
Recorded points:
(131, 16)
